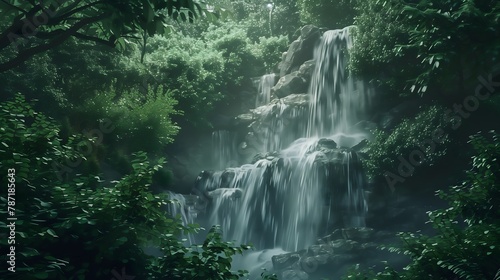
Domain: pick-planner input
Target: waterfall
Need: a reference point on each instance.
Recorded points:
(338, 100)
(315, 182)
(180, 208)
(224, 149)
(264, 90)
(284, 125)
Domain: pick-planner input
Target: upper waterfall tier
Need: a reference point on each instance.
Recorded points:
(338, 100)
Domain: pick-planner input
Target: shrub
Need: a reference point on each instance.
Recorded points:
(270, 50)
(467, 243)
(79, 228)
(141, 120)
(409, 135)
(377, 51)
(193, 71)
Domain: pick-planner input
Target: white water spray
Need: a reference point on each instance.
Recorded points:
(264, 90)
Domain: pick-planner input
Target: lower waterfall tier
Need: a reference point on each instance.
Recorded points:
(287, 200)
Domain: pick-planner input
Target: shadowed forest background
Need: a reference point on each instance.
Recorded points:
(108, 109)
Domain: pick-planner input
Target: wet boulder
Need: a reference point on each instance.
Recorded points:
(232, 193)
(296, 100)
(295, 275)
(359, 233)
(268, 156)
(285, 260)
(306, 70)
(288, 84)
(341, 246)
(301, 50)
(226, 178)
(325, 143)
(361, 146)
(243, 119)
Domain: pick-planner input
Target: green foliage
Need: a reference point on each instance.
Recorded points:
(261, 21)
(254, 16)
(453, 39)
(270, 50)
(286, 18)
(34, 78)
(82, 69)
(327, 13)
(267, 276)
(209, 72)
(211, 260)
(417, 46)
(147, 124)
(193, 72)
(243, 60)
(30, 139)
(466, 244)
(81, 228)
(84, 82)
(53, 216)
(67, 75)
(377, 54)
(406, 137)
(106, 22)
(231, 41)
(142, 120)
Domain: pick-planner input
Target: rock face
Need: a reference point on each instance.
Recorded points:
(232, 193)
(306, 70)
(267, 128)
(286, 260)
(340, 249)
(288, 84)
(300, 50)
(295, 274)
(276, 124)
(325, 143)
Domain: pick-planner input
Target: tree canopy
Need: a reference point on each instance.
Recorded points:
(32, 27)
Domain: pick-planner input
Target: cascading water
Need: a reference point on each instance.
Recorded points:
(264, 89)
(224, 149)
(179, 207)
(283, 126)
(315, 184)
(339, 100)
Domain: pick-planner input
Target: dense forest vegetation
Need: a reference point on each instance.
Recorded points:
(98, 97)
